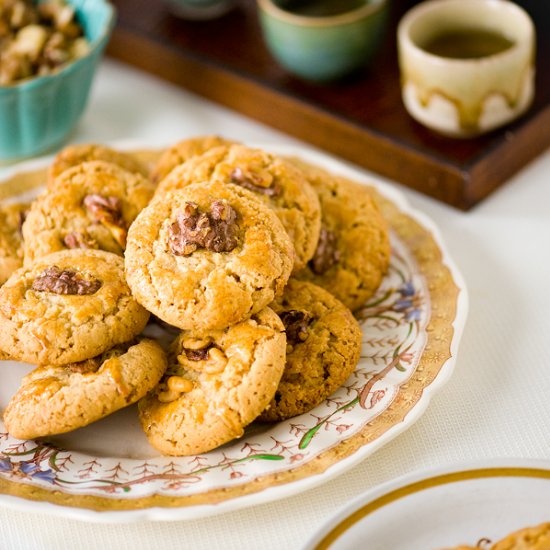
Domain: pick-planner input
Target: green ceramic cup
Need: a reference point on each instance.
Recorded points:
(200, 10)
(323, 48)
(38, 114)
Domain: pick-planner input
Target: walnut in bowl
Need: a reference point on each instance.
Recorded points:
(48, 55)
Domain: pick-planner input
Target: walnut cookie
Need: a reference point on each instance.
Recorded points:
(77, 154)
(54, 400)
(91, 206)
(216, 384)
(184, 150)
(278, 183)
(11, 238)
(68, 307)
(530, 538)
(353, 252)
(207, 256)
(323, 348)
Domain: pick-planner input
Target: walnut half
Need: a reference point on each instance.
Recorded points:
(65, 281)
(215, 230)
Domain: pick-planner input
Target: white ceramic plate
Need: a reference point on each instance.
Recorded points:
(443, 508)
(108, 472)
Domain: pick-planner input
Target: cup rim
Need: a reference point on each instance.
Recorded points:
(37, 81)
(404, 38)
(369, 8)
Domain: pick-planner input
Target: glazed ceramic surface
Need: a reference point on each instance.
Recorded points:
(466, 97)
(323, 48)
(39, 113)
(443, 508)
(200, 9)
(108, 472)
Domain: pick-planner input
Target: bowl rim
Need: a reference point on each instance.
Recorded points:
(269, 7)
(37, 81)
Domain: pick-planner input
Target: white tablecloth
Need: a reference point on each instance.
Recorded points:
(496, 404)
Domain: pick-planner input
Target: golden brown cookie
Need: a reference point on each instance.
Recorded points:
(353, 252)
(216, 384)
(184, 150)
(11, 238)
(91, 206)
(67, 307)
(323, 348)
(73, 155)
(280, 185)
(531, 538)
(58, 399)
(208, 256)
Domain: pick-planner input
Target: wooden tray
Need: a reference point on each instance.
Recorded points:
(360, 118)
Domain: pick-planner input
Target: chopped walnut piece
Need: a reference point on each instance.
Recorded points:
(197, 354)
(296, 325)
(108, 212)
(37, 38)
(60, 281)
(254, 182)
(209, 359)
(104, 208)
(173, 388)
(216, 231)
(76, 239)
(326, 255)
(84, 367)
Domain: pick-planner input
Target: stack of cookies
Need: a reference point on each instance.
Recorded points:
(253, 263)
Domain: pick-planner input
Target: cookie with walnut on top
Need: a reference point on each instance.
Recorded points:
(91, 206)
(277, 183)
(216, 384)
(323, 348)
(67, 307)
(353, 251)
(207, 256)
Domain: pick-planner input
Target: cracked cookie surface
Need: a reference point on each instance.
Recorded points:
(276, 182)
(58, 399)
(11, 238)
(66, 307)
(217, 383)
(183, 151)
(73, 155)
(353, 251)
(323, 348)
(207, 256)
(91, 206)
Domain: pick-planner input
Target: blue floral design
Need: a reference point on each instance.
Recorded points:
(408, 302)
(407, 289)
(28, 469)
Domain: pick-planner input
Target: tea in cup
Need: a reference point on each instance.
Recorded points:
(467, 66)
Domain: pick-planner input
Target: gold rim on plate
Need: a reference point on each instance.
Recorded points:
(416, 487)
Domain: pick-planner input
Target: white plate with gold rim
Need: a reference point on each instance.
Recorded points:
(444, 508)
(107, 471)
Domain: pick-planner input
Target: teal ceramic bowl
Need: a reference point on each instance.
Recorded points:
(38, 114)
(323, 48)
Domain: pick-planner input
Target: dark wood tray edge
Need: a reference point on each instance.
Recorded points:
(460, 188)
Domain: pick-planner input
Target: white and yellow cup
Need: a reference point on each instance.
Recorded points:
(466, 97)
